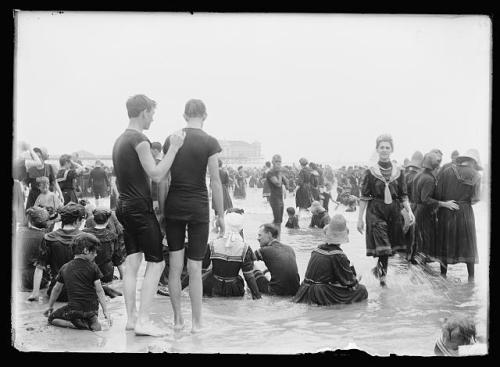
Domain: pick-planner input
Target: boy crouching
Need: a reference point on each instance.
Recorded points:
(81, 276)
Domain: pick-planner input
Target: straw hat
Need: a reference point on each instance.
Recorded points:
(337, 231)
(470, 154)
(416, 160)
(316, 207)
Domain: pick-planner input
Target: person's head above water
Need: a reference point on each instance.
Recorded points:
(458, 330)
(316, 207)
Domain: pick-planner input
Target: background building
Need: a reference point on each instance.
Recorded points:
(241, 152)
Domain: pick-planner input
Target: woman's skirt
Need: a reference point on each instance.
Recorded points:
(214, 285)
(240, 192)
(456, 235)
(425, 231)
(303, 197)
(384, 228)
(226, 198)
(329, 294)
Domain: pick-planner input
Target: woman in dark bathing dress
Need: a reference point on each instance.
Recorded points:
(383, 191)
(456, 228)
(426, 207)
(224, 180)
(303, 196)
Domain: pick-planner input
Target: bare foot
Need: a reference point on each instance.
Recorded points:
(196, 328)
(178, 326)
(149, 329)
(131, 323)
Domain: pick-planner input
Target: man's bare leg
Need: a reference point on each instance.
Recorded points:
(132, 264)
(149, 286)
(176, 264)
(195, 292)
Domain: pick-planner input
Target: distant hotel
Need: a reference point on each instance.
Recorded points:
(234, 152)
(241, 152)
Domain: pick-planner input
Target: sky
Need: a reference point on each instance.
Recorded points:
(322, 86)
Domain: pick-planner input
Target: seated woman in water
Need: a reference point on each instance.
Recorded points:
(228, 255)
(456, 331)
(320, 217)
(329, 278)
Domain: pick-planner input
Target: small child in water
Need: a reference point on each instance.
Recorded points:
(293, 219)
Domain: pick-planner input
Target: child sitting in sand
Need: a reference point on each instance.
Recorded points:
(293, 219)
(81, 278)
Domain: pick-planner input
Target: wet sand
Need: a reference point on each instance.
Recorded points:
(403, 319)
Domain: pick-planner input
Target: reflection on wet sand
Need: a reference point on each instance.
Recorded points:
(404, 318)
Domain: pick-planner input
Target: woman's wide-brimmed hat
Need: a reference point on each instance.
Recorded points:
(316, 207)
(416, 160)
(470, 154)
(337, 232)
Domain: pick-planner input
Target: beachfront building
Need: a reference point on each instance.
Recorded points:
(241, 152)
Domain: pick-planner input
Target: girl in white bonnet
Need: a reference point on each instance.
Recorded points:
(229, 254)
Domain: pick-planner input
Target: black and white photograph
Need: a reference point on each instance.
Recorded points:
(251, 183)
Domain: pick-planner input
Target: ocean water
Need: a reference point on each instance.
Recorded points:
(404, 318)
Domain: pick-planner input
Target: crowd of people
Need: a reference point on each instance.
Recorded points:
(159, 212)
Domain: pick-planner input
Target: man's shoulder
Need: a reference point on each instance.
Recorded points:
(130, 135)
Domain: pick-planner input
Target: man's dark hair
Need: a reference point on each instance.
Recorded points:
(270, 228)
(84, 240)
(290, 210)
(195, 108)
(101, 215)
(268, 164)
(138, 103)
(71, 212)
